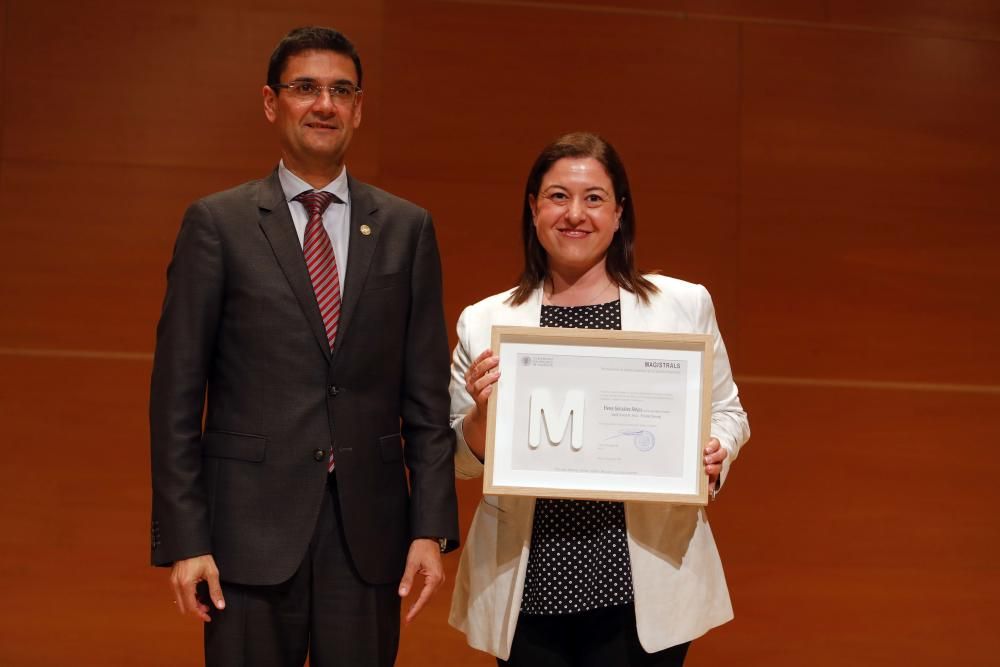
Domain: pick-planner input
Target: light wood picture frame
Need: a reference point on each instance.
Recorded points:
(598, 414)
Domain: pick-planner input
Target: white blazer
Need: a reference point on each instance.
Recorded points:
(680, 589)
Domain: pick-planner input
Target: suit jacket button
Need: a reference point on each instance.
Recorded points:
(319, 455)
(332, 391)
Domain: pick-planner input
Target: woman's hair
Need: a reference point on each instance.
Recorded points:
(621, 257)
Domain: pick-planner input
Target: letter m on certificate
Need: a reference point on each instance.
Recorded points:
(541, 409)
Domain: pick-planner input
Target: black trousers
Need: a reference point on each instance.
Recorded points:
(325, 610)
(599, 638)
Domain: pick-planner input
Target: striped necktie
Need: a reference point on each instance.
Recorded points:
(320, 259)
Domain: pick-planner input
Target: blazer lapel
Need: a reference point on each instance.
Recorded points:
(360, 252)
(276, 223)
(635, 316)
(527, 314)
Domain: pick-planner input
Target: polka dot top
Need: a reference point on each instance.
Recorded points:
(579, 553)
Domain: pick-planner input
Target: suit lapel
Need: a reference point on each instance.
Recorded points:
(360, 252)
(276, 223)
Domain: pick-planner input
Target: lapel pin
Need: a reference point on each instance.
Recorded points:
(366, 230)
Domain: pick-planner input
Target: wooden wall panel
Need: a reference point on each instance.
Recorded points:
(694, 237)
(594, 6)
(868, 211)
(75, 500)
(851, 534)
(135, 105)
(883, 292)
(170, 85)
(972, 18)
(781, 10)
(3, 64)
(871, 117)
(725, 10)
(89, 273)
(664, 91)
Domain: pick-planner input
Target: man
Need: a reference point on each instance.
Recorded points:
(307, 306)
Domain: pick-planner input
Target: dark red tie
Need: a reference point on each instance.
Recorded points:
(322, 265)
(320, 259)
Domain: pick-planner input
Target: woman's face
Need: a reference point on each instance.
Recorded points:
(576, 213)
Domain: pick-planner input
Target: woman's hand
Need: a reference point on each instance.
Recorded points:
(715, 454)
(480, 378)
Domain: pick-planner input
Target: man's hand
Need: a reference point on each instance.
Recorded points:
(185, 577)
(424, 558)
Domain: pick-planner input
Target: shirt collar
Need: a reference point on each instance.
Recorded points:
(293, 186)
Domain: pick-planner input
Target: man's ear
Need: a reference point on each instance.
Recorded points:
(270, 103)
(357, 109)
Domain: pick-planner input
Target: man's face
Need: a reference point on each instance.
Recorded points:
(314, 132)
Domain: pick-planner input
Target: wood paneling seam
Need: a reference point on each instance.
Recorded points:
(827, 383)
(942, 387)
(722, 18)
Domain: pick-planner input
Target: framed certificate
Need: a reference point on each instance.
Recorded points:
(609, 415)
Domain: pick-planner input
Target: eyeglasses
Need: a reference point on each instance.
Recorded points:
(592, 199)
(310, 90)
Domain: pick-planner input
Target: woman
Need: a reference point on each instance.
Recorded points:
(565, 582)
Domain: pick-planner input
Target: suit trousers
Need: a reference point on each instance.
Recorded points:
(325, 610)
(598, 638)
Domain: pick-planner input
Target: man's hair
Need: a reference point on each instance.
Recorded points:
(309, 38)
(621, 256)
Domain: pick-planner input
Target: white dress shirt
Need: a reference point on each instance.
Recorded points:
(336, 218)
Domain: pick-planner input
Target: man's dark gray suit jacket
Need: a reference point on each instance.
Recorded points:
(241, 475)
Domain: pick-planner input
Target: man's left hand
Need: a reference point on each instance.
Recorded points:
(424, 558)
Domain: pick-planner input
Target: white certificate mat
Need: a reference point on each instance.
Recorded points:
(599, 414)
